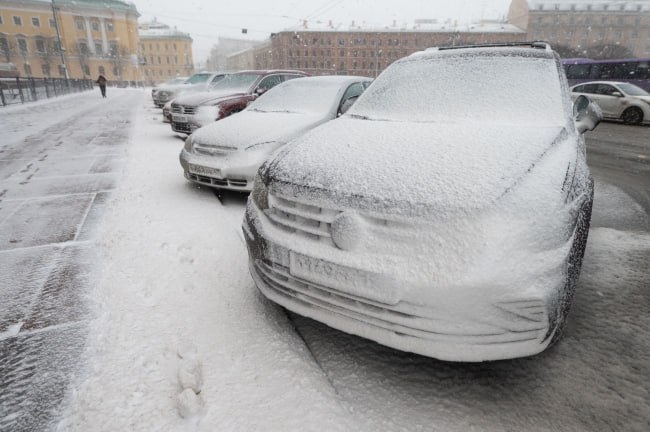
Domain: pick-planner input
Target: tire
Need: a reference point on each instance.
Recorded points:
(632, 115)
(576, 254)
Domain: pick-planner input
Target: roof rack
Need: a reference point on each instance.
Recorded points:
(531, 44)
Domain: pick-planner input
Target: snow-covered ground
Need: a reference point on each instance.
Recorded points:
(182, 341)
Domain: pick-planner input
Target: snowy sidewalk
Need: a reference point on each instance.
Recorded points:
(183, 340)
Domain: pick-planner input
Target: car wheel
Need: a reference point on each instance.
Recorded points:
(576, 254)
(632, 115)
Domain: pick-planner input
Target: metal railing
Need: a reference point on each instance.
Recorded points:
(22, 90)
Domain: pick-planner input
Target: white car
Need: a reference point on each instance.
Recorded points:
(618, 100)
(446, 213)
(197, 82)
(227, 154)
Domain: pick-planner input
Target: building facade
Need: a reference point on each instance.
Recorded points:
(164, 52)
(587, 28)
(364, 52)
(218, 59)
(97, 37)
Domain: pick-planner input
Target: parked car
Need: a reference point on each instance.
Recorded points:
(173, 81)
(446, 216)
(197, 82)
(228, 153)
(617, 100)
(228, 96)
(167, 112)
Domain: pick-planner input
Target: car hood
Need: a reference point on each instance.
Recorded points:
(252, 127)
(206, 97)
(407, 167)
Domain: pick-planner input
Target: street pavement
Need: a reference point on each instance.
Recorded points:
(59, 163)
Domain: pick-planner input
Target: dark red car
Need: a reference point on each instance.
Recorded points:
(230, 95)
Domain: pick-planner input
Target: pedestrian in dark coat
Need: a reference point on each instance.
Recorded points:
(102, 84)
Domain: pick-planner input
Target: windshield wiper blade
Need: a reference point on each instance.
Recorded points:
(359, 116)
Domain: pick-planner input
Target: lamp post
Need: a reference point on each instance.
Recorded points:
(58, 37)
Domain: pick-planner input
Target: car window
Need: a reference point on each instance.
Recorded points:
(605, 89)
(288, 77)
(590, 88)
(270, 82)
(579, 89)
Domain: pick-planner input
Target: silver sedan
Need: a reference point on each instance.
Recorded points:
(228, 153)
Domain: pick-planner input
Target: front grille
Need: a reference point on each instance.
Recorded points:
(182, 127)
(304, 219)
(183, 109)
(218, 182)
(213, 150)
(526, 326)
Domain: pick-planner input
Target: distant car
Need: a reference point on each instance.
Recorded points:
(446, 216)
(228, 96)
(227, 154)
(617, 100)
(173, 81)
(197, 82)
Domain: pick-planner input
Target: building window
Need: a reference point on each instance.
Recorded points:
(45, 68)
(113, 49)
(4, 47)
(102, 71)
(22, 46)
(86, 70)
(95, 26)
(52, 23)
(1, 20)
(18, 20)
(80, 24)
(40, 46)
(36, 22)
(83, 47)
(175, 59)
(167, 58)
(109, 26)
(28, 69)
(99, 48)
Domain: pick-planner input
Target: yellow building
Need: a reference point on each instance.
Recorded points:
(165, 53)
(98, 37)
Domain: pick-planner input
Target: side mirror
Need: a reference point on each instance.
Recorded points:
(617, 94)
(260, 91)
(586, 114)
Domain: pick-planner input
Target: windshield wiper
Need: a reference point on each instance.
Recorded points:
(358, 116)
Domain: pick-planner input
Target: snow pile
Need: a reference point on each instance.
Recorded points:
(183, 340)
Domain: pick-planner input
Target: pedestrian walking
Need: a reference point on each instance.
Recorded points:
(102, 84)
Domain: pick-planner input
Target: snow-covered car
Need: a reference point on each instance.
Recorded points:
(228, 153)
(173, 81)
(446, 213)
(198, 82)
(618, 100)
(167, 112)
(227, 97)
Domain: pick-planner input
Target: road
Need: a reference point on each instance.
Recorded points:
(60, 162)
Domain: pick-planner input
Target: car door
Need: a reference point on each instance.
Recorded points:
(610, 103)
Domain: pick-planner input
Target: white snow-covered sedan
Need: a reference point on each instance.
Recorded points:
(618, 100)
(228, 153)
(445, 214)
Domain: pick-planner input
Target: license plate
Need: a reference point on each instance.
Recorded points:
(348, 280)
(205, 171)
(177, 118)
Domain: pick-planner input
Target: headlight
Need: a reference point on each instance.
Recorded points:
(260, 193)
(188, 144)
(259, 146)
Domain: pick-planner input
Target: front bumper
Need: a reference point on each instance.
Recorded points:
(234, 173)
(441, 322)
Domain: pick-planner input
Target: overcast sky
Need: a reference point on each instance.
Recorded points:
(205, 20)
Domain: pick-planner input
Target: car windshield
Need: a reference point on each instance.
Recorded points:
(299, 95)
(632, 90)
(236, 82)
(197, 78)
(503, 89)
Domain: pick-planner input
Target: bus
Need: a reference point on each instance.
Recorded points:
(633, 71)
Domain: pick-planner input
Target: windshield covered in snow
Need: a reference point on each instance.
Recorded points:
(632, 90)
(236, 82)
(301, 95)
(503, 89)
(197, 78)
